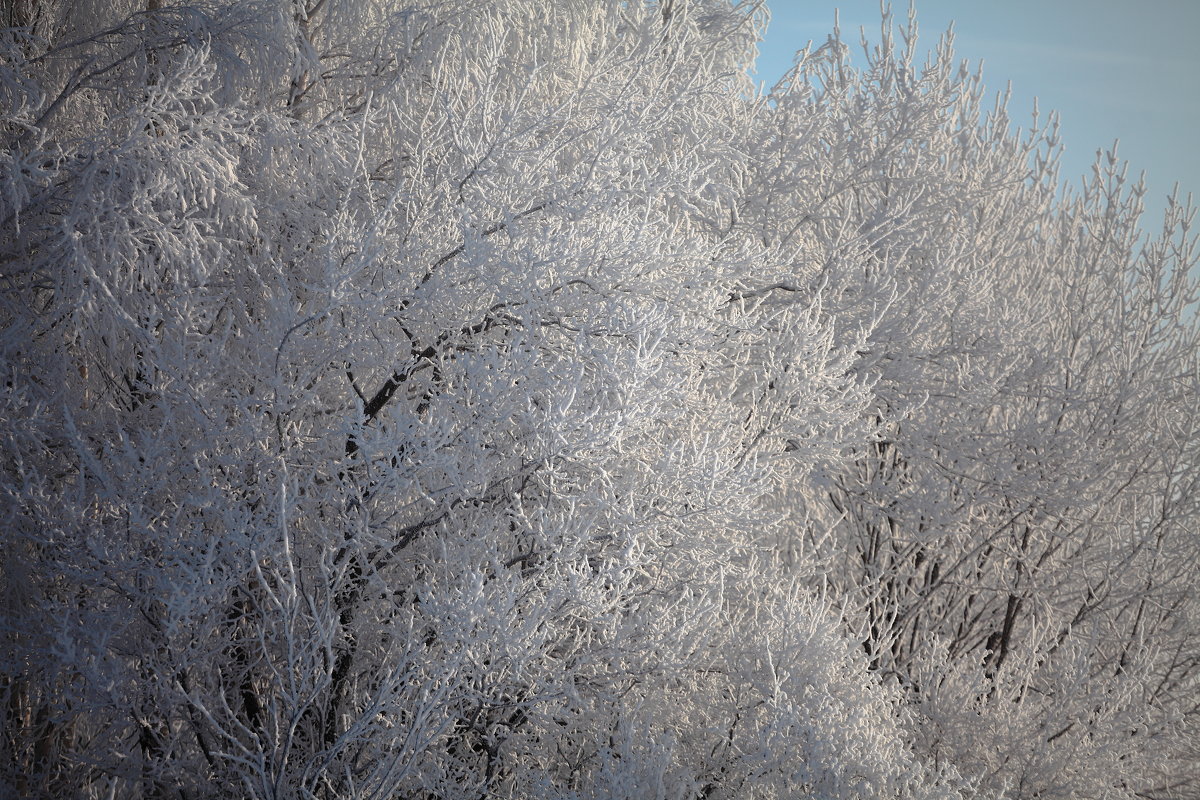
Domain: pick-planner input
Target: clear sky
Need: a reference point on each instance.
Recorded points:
(1113, 69)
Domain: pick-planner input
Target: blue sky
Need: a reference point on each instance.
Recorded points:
(1126, 69)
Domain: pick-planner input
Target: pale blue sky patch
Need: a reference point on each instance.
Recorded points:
(1124, 69)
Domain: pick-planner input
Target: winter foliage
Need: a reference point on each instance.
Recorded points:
(507, 400)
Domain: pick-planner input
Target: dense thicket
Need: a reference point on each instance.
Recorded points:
(471, 400)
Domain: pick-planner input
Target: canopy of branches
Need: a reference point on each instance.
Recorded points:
(507, 400)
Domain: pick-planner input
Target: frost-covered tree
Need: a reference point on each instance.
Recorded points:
(471, 400)
(376, 417)
(1016, 548)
